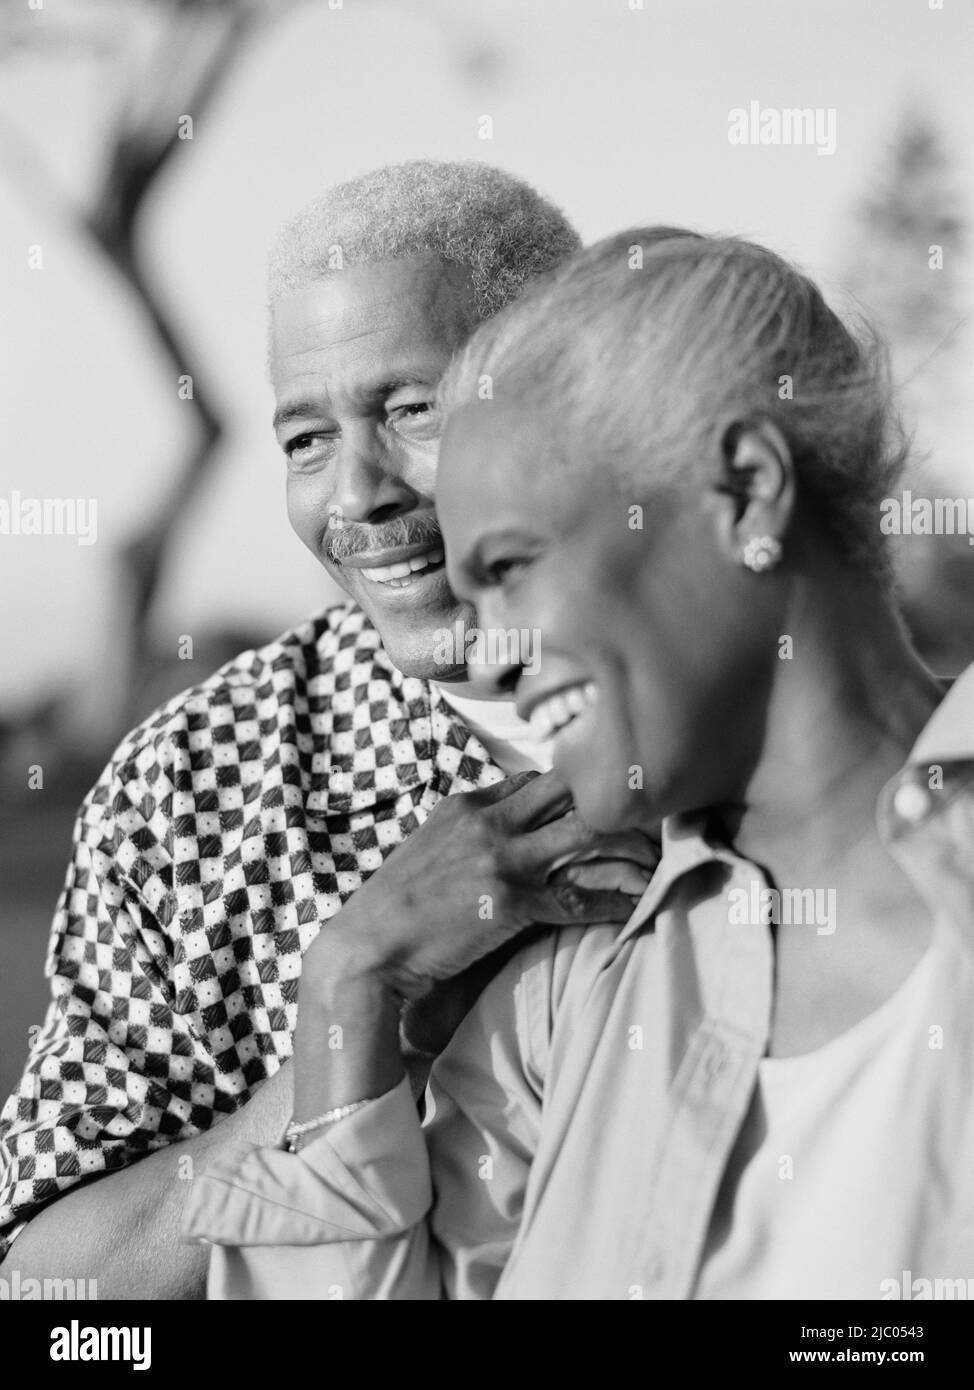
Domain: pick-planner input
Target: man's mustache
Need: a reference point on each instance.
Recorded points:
(350, 540)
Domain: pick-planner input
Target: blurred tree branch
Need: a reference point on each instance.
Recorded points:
(192, 47)
(174, 57)
(183, 75)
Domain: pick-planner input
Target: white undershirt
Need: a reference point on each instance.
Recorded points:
(512, 743)
(821, 1198)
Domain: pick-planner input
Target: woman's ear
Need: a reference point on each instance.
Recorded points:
(758, 485)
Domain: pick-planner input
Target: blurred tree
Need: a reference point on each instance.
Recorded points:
(905, 264)
(171, 61)
(165, 60)
(910, 214)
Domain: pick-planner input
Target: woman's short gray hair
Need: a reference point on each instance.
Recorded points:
(469, 213)
(651, 344)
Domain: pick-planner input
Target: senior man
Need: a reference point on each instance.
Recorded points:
(236, 820)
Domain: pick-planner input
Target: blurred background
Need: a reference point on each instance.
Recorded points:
(149, 150)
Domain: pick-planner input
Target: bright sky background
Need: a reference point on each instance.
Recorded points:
(620, 115)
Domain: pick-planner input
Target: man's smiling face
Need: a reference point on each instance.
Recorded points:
(356, 359)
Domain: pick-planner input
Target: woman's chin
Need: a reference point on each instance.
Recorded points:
(603, 810)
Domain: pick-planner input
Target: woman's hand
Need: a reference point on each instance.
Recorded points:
(484, 866)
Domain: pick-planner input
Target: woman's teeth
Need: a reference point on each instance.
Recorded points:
(555, 713)
(404, 570)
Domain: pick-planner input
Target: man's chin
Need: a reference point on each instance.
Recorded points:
(423, 669)
(413, 653)
(424, 641)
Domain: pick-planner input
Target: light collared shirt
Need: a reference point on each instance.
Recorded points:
(581, 1123)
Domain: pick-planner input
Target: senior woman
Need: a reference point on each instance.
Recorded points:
(667, 461)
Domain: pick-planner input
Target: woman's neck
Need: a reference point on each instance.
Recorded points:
(846, 708)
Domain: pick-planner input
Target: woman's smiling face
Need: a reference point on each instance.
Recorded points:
(653, 651)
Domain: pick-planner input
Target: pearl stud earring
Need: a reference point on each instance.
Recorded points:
(762, 553)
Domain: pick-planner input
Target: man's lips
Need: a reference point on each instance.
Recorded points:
(396, 566)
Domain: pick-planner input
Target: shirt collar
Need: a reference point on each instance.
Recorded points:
(686, 844)
(948, 736)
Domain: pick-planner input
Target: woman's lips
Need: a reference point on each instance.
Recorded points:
(557, 711)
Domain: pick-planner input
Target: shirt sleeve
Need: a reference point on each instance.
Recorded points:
(115, 1070)
(353, 1215)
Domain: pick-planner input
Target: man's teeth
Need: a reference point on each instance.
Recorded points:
(383, 574)
(558, 710)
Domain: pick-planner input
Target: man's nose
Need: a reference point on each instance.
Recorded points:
(368, 484)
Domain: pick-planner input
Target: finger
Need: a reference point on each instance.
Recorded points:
(587, 907)
(632, 845)
(537, 801)
(553, 844)
(620, 874)
(501, 791)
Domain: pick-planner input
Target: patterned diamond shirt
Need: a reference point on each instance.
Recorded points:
(224, 831)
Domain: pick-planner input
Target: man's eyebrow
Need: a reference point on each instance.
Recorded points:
(396, 383)
(295, 410)
(302, 410)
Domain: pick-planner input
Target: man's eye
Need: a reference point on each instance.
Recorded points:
(309, 448)
(417, 420)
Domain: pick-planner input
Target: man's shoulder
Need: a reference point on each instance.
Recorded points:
(303, 669)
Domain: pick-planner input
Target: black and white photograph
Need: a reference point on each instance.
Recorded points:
(487, 708)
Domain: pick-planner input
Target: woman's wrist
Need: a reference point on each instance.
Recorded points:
(347, 1042)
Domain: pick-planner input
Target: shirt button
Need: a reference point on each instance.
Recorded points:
(911, 802)
(714, 1061)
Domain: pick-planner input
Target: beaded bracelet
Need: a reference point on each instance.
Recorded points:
(295, 1131)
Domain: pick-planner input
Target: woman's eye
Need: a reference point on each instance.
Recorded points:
(500, 570)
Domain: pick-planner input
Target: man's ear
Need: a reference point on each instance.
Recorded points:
(758, 485)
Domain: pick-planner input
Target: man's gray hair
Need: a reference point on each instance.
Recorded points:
(651, 345)
(468, 213)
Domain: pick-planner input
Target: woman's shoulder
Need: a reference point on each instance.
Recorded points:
(511, 1025)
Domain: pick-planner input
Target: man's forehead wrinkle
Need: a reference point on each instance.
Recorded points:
(382, 336)
(426, 311)
(349, 351)
(336, 329)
